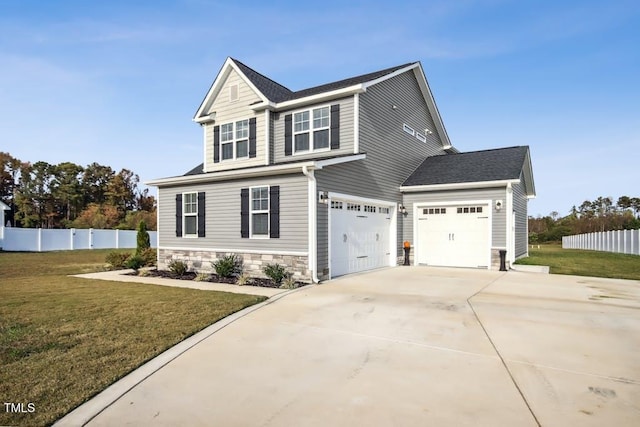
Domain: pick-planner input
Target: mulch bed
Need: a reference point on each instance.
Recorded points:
(213, 278)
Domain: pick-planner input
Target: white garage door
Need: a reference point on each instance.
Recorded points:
(360, 234)
(455, 236)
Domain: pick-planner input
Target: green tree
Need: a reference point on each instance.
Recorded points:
(67, 189)
(142, 238)
(95, 180)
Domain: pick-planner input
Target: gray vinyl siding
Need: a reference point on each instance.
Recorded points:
(392, 154)
(223, 215)
(520, 207)
(498, 219)
(346, 132)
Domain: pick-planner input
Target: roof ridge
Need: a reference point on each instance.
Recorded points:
(260, 74)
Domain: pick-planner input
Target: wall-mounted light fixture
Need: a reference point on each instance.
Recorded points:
(428, 132)
(323, 197)
(498, 205)
(402, 209)
(394, 107)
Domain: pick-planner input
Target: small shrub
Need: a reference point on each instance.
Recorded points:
(117, 260)
(142, 238)
(227, 266)
(144, 273)
(289, 282)
(275, 272)
(178, 267)
(243, 279)
(135, 262)
(202, 277)
(149, 256)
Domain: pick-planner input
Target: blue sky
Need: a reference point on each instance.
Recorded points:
(118, 82)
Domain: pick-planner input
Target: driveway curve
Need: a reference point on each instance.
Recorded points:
(410, 346)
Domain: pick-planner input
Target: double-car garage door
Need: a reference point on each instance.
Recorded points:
(453, 235)
(360, 233)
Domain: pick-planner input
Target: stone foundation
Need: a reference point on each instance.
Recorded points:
(253, 264)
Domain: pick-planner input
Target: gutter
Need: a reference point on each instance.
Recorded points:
(312, 218)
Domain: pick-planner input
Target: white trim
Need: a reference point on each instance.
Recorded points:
(457, 185)
(267, 128)
(234, 140)
(307, 100)
(310, 130)
(312, 260)
(408, 129)
(209, 118)
(4, 207)
(260, 211)
(246, 251)
(389, 76)
(319, 164)
(419, 205)
(204, 164)
(184, 216)
(393, 232)
(508, 211)
(260, 171)
(356, 123)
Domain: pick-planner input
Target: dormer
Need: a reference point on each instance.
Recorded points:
(235, 135)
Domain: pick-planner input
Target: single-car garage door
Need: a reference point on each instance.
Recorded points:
(359, 236)
(454, 236)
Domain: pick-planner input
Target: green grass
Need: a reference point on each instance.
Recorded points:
(584, 263)
(64, 339)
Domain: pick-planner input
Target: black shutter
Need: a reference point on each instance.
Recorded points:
(178, 215)
(244, 213)
(274, 211)
(252, 137)
(287, 135)
(335, 126)
(216, 144)
(201, 212)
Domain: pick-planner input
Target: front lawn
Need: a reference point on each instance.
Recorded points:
(64, 339)
(584, 263)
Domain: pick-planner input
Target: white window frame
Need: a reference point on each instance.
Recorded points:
(408, 129)
(190, 214)
(234, 140)
(311, 130)
(259, 211)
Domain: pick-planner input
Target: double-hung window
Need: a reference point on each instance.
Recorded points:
(311, 130)
(190, 214)
(234, 140)
(259, 211)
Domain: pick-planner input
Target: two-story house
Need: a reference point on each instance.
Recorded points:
(333, 179)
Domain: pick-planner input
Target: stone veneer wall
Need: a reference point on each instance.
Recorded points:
(253, 263)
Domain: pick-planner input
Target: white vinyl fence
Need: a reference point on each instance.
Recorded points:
(42, 240)
(621, 241)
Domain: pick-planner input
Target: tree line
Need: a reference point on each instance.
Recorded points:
(67, 195)
(601, 214)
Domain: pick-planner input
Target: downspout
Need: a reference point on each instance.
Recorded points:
(313, 210)
(510, 226)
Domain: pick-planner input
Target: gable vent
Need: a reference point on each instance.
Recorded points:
(233, 93)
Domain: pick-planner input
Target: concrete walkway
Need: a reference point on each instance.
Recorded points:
(406, 346)
(121, 276)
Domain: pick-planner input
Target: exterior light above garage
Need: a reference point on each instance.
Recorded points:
(498, 205)
(402, 209)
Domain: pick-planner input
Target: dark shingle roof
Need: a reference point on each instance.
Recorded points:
(474, 166)
(196, 171)
(275, 92)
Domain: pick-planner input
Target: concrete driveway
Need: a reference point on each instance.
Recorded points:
(411, 346)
